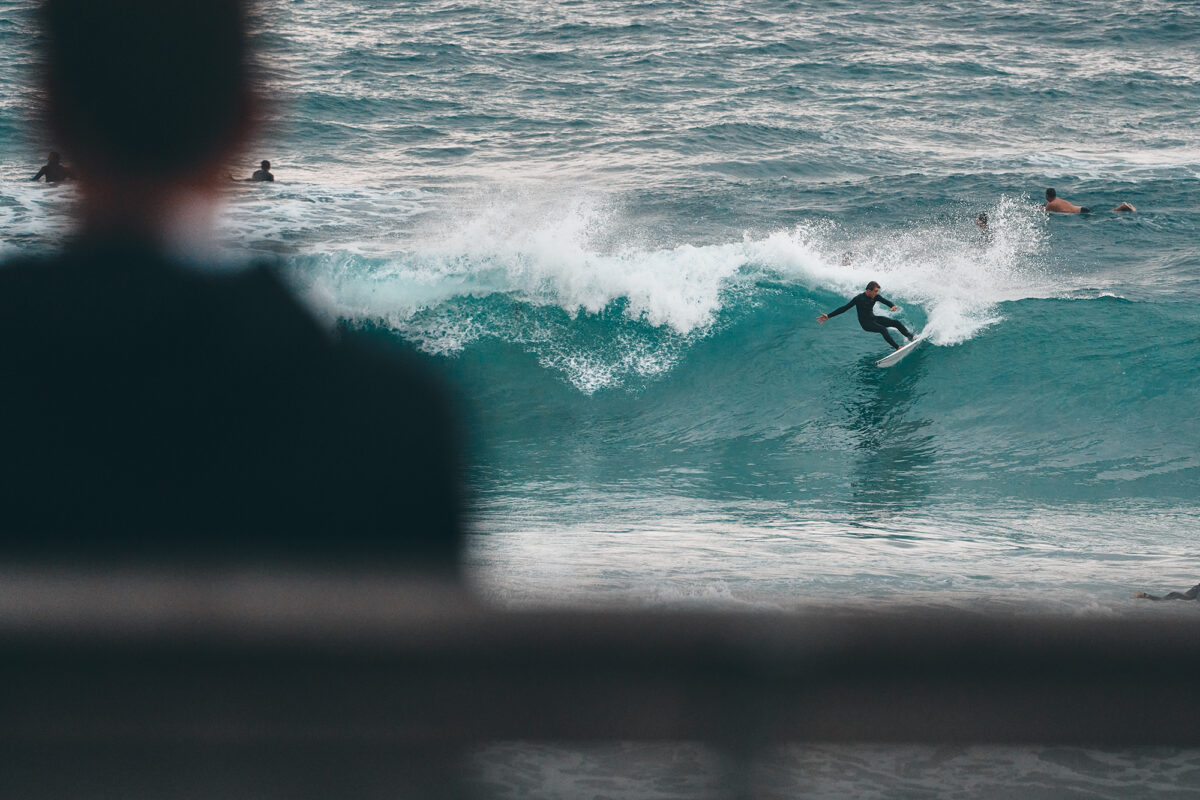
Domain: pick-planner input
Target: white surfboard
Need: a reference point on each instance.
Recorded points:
(895, 356)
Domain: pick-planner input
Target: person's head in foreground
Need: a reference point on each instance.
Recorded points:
(149, 97)
(872, 289)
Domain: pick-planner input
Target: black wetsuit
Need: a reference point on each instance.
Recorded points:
(262, 175)
(870, 322)
(53, 173)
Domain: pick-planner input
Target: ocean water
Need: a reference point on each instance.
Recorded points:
(614, 224)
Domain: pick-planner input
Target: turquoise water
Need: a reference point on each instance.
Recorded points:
(614, 224)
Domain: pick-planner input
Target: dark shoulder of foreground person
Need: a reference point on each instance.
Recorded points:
(184, 411)
(382, 419)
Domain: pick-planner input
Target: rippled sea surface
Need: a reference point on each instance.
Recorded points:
(615, 223)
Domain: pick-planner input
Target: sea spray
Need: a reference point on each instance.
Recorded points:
(535, 276)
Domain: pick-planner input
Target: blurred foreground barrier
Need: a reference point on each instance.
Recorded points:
(225, 682)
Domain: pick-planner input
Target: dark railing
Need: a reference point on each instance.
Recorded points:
(248, 684)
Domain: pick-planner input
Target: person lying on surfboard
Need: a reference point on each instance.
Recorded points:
(1191, 594)
(865, 303)
(1057, 205)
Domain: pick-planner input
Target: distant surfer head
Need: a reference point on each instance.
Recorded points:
(981, 220)
(1050, 195)
(266, 166)
(53, 158)
(872, 289)
(102, 63)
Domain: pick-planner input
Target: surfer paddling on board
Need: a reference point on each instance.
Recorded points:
(865, 303)
(1191, 594)
(1057, 205)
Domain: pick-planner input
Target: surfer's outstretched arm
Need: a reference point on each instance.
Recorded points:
(881, 299)
(832, 314)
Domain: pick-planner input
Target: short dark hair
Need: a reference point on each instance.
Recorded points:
(1051, 194)
(872, 285)
(146, 86)
(265, 164)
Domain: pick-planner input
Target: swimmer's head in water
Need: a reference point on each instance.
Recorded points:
(146, 88)
(266, 165)
(981, 220)
(54, 157)
(872, 289)
(1050, 195)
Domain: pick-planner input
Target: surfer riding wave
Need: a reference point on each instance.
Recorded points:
(865, 303)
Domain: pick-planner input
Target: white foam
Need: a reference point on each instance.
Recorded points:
(542, 250)
(329, 217)
(577, 256)
(1111, 163)
(36, 215)
(552, 252)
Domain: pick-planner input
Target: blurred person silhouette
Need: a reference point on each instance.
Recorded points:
(153, 408)
(54, 170)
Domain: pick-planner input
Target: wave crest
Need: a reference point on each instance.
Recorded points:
(559, 277)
